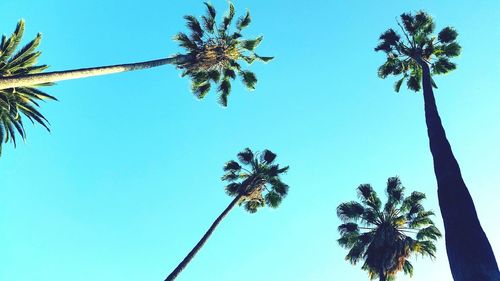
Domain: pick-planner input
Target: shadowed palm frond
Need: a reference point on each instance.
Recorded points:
(386, 238)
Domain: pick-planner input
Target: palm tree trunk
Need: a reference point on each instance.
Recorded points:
(469, 251)
(202, 242)
(48, 77)
(382, 276)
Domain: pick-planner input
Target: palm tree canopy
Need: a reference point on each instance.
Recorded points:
(216, 52)
(22, 101)
(418, 45)
(256, 178)
(385, 236)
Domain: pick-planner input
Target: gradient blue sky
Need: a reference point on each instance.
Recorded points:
(129, 178)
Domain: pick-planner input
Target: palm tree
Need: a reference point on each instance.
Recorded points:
(385, 238)
(22, 100)
(417, 56)
(254, 182)
(213, 55)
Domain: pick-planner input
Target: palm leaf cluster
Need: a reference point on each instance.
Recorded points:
(385, 236)
(405, 55)
(256, 179)
(216, 53)
(21, 101)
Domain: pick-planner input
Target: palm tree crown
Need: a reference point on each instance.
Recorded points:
(216, 53)
(20, 101)
(384, 237)
(406, 55)
(256, 180)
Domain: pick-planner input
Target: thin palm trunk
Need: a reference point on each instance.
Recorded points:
(469, 251)
(49, 77)
(202, 242)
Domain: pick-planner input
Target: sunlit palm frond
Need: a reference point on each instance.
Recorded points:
(405, 54)
(21, 102)
(255, 179)
(211, 48)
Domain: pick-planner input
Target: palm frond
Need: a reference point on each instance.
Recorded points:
(209, 19)
(226, 21)
(249, 79)
(385, 241)
(406, 55)
(268, 156)
(246, 156)
(251, 44)
(273, 199)
(447, 35)
(255, 184)
(368, 196)
(244, 21)
(350, 211)
(21, 102)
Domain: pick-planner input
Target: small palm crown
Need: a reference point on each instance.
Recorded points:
(16, 102)
(385, 237)
(215, 53)
(406, 55)
(258, 184)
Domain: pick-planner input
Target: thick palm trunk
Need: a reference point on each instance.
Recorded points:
(48, 77)
(203, 240)
(469, 251)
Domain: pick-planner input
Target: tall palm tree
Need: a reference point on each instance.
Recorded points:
(254, 182)
(386, 237)
(213, 55)
(417, 56)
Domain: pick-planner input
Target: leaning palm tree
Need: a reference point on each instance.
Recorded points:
(417, 56)
(385, 237)
(214, 54)
(254, 182)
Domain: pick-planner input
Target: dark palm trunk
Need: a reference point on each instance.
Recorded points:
(200, 244)
(382, 276)
(55, 76)
(469, 251)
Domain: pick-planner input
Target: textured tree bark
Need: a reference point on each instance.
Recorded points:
(49, 77)
(203, 240)
(469, 251)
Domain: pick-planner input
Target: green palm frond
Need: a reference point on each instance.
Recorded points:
(244, 21)
(386, 238)
(418, 45)
(213, 49)
(246, 156)
(267, 156)
(369, 197)
(408, 268)
(255, 179)
(209, 18)
(21, 102)
(226, 21)
(350, 211)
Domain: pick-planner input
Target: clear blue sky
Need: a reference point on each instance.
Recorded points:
(129, 178)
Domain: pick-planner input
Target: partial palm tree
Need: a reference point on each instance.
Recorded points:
(385, 237)
(417, 56)
(214, 54)
(23, 100)
(254, 182)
